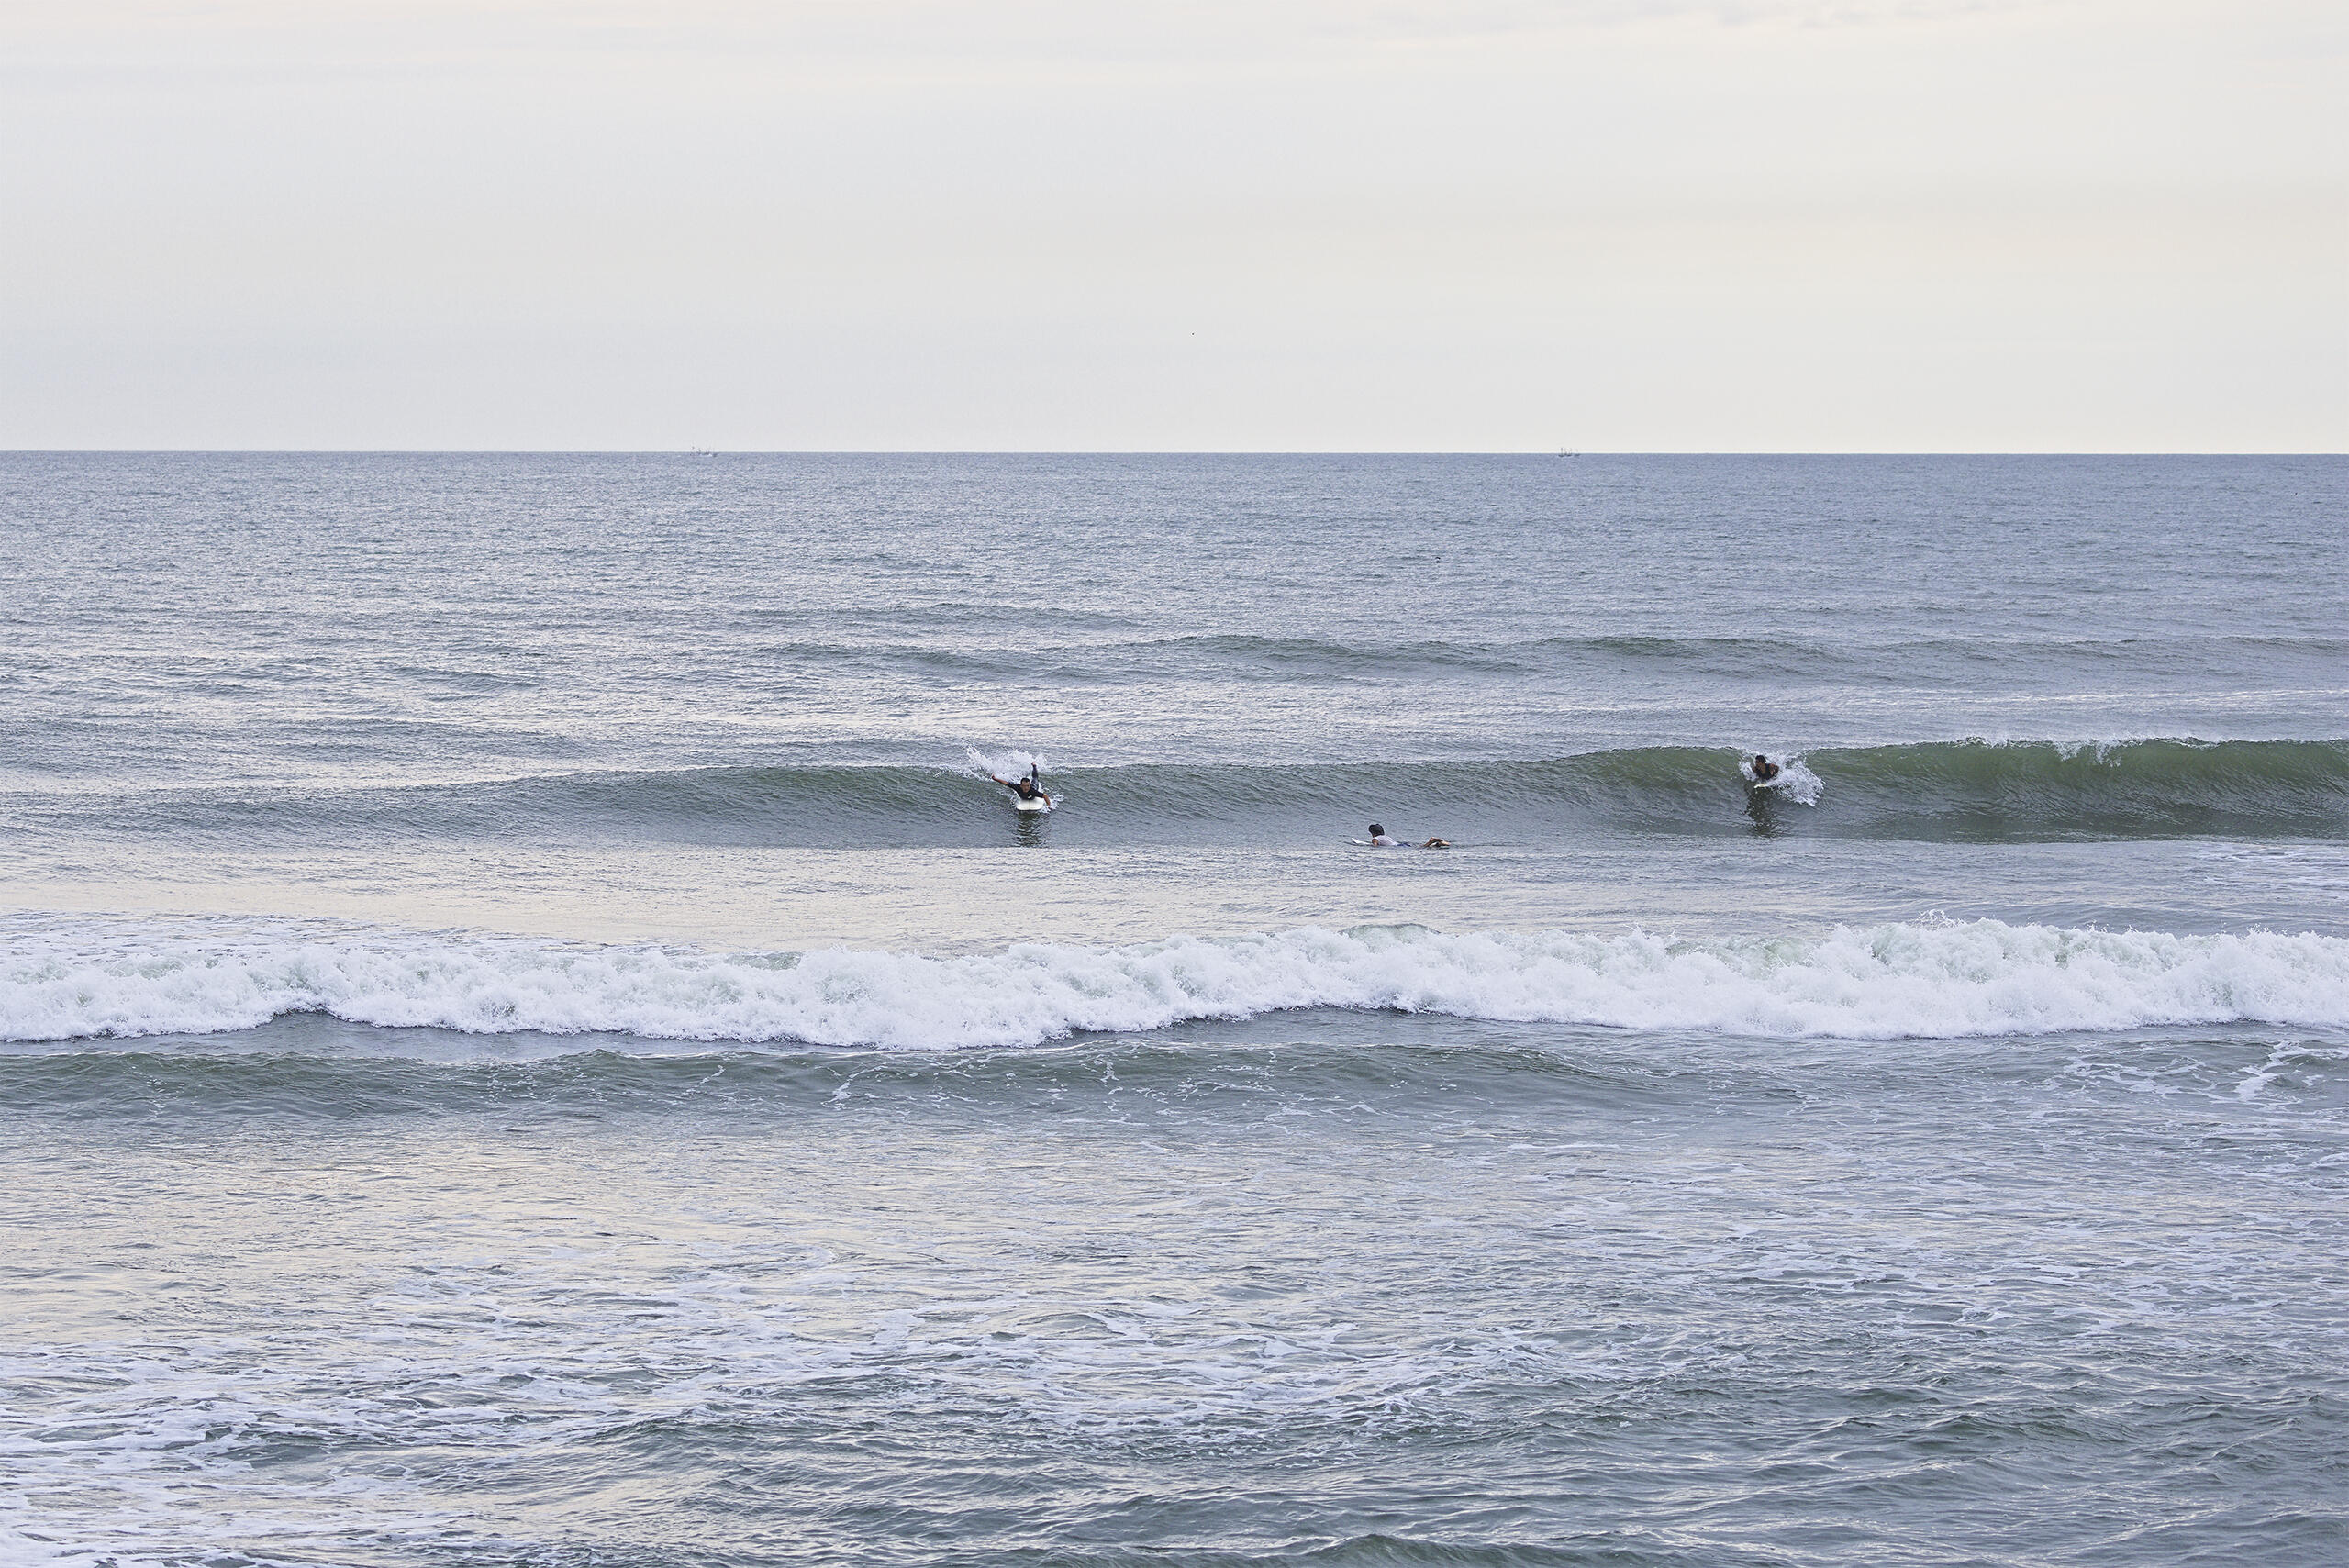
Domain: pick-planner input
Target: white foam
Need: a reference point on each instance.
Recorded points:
(1884, 982)
(2318, 870)
(1795, 781)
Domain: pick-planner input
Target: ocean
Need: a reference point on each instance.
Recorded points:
(528, 1035)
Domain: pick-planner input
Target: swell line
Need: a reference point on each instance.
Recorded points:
(1967, 789)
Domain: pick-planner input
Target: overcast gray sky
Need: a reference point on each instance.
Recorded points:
(1603, 225)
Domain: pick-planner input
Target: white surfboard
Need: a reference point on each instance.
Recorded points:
(1042, 803)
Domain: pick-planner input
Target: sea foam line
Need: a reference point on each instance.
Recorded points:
(1884, 982)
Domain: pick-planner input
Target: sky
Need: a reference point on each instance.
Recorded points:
(1217, 225)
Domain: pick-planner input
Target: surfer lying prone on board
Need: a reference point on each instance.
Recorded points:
(1025, 788)
(1380, 841)
(1764, 770)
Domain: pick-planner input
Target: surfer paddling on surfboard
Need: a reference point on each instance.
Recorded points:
(1764, 770)
(1380, 841)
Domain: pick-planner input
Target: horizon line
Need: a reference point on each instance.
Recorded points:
(1150, 452)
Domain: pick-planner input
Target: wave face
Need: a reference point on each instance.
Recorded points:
(1880, 982)
(1972, 790)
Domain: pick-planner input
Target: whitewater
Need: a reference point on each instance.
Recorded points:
(1946, 980)
(527, 1034)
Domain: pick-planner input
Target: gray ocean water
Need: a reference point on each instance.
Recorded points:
(527, 1035)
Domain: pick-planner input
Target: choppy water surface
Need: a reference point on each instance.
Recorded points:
(526, 1038)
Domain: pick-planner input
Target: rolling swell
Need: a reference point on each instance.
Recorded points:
(1092, 649)
(1968, 790)
(300, 1068)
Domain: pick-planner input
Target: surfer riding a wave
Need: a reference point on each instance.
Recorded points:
(1026, 787)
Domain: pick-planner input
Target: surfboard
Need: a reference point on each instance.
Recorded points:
(1043, 803)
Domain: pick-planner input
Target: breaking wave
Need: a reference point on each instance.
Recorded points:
(1883, 981)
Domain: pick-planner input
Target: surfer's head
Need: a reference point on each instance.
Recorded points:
(1377, 831)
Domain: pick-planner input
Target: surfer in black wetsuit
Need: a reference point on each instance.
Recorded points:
(1025, 788)
(1764, 770)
